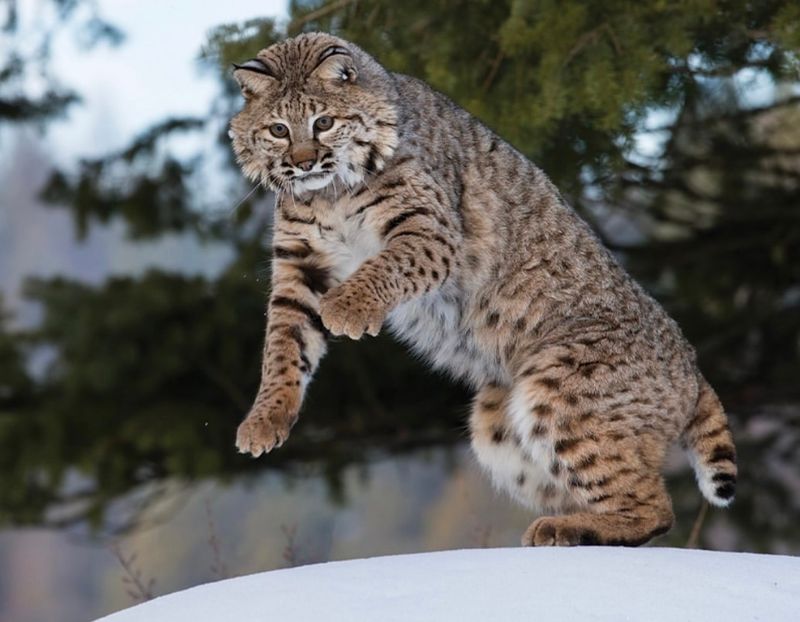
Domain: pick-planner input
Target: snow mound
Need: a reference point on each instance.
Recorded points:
(565, 584)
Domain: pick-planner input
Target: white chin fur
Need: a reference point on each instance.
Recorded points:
(314, 183)
(349, 178)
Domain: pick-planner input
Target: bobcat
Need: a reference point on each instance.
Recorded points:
(395, 206)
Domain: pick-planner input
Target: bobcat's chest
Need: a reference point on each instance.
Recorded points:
(432, 325)
(345, 243)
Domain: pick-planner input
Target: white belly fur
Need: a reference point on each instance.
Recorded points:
(433, 327)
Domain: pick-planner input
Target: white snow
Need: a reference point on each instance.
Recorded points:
(505, 585)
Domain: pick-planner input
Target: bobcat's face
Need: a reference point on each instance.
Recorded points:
(317, 111)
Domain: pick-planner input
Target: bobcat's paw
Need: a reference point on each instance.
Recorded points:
(557, 531)
(266, 426)
(347, 311)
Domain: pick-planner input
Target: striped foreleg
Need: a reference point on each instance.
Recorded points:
(295, 344)
(418, 257)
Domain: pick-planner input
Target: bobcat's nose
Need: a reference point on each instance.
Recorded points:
(303, 158)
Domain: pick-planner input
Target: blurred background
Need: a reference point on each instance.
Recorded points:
(134, 271)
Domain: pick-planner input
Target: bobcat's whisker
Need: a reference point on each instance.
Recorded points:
(232, 210)
(365, 175)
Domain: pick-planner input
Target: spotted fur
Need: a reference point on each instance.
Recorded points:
(409, 213)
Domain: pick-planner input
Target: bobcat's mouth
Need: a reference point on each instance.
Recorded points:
(314, 180)
(314, 175)
(320, 177)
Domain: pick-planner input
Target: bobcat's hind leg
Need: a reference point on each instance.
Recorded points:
(606, 444)
(618, 486)
(624, 520)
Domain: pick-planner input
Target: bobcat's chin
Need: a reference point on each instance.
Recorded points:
(342, 178)
(313, 181)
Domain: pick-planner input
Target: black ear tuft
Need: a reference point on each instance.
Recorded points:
(256, 65)
(251, 77)
(330, 51)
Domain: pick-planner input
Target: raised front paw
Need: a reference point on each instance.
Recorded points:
(267, 425)
(347, 311)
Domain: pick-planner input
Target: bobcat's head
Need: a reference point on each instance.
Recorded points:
(317, 108)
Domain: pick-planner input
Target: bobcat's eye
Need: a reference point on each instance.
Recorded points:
(323, 123)
(279, 130)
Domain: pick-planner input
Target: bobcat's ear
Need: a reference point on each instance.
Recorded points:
(336, 64)
(255, 77)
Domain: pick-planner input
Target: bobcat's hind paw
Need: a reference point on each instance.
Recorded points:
(557, 531)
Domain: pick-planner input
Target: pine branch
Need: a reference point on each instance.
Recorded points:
(323, 11)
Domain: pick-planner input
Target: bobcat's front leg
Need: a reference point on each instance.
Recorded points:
(419, 253)
(295, 344)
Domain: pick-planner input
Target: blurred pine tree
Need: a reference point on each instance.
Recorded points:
(150, 375)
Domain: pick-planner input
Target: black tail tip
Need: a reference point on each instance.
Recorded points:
(727, 485)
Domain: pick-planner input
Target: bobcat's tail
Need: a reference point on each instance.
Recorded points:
(710, 446)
